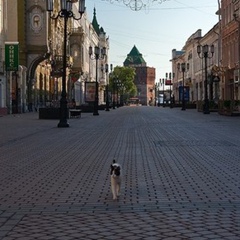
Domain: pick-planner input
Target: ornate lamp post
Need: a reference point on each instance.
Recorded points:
(118, 85)
(107, 96)
(162, 82)
(169, 75)
(183, 67)
(65, 13)
(155, 91)
(114, 91)
(205, 52)
(158, 93)
(99, 53)
(110, 76)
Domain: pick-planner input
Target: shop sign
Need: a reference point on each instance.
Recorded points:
(168, 82)
(11, 56)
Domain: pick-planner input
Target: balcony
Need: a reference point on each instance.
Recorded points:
(76, 41)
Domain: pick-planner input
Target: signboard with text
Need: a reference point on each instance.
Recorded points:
(168, 82)
(90, 90)
(186, 93)
(11, 56)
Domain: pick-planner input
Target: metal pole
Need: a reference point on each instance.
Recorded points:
(95, 110)
(117, 95)
(206, 101)
(163, 94)
(155, 103)
(107, 97)
(170, 77)
(113, 97)
(16, 94)
(183, 92)
(63, 102)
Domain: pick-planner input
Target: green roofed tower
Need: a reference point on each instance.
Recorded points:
(95, 22)
(144, 78)
(134, 58)
(99, 30)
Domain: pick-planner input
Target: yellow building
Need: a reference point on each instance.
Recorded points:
(38, 79)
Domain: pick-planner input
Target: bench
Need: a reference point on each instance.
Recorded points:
(75, 113)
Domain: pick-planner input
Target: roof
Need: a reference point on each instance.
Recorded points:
(134, 58)
(95, 24)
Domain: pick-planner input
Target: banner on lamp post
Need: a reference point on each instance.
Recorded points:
(11, 56)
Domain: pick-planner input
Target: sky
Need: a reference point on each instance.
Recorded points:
(155, 31)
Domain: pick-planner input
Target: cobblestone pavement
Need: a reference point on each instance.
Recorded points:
(181, 176)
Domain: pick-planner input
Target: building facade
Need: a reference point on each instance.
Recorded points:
(194, 76)
(3, 109)
(223, 68)
(38, 80)
(12, 84)
(230, 12)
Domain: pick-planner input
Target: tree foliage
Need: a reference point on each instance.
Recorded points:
(123, 79)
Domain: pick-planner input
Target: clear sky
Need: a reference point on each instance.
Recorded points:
(155, 31)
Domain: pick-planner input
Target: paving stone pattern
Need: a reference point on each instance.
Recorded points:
(180, 176)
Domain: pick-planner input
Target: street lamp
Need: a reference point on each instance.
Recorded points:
(110, 77)
(65, 13)
(162, 83)
(107, 80)
(114, 91)
(118, 84)
(155, 91)
(183, 67)
(99, 53)
(169, 75)
(204, 52)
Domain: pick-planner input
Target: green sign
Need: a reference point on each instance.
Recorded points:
(11, 56)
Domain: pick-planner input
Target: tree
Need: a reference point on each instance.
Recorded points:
(122, 80)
